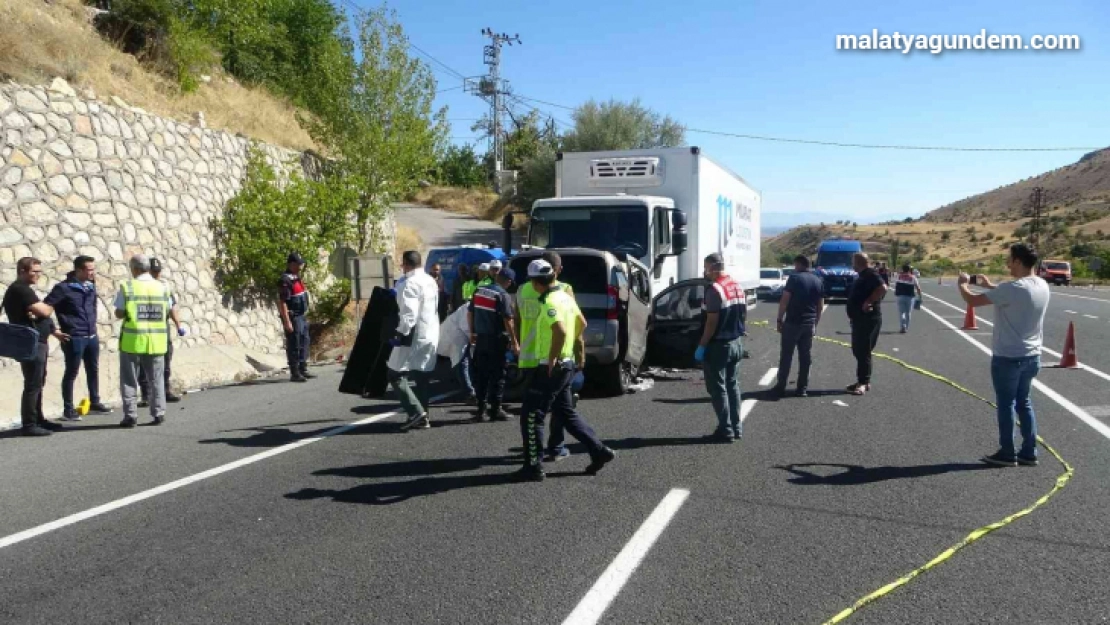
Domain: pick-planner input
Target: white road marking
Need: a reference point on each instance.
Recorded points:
(1071, 312)
(769, 376)
(746, 407)
(1090, 316)
(1079, 413)
(72, 519)
(1050, 352)
(594, 604)
(1093, 299)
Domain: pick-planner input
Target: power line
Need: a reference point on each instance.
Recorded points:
(839, 144)
(449, 89)
(874, 146)
(412, 45)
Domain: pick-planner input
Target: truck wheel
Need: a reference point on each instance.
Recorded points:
(616, 378)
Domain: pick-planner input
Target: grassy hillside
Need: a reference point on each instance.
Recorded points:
(41, 40)
(979, 229)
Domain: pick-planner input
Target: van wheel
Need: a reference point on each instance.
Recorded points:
(616, 378)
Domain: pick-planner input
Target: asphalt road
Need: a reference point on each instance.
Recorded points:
(825, 500)
(443, 229)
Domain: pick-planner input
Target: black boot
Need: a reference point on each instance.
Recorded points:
(306, 374)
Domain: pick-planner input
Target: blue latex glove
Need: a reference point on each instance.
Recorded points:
(699, 354)
(181, 331)
(393, 292)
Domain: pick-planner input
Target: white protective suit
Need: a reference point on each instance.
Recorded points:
(418, 300)
(454, 336)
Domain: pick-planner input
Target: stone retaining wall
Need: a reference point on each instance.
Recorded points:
(82, 176)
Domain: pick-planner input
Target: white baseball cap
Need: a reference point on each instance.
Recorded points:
(540, 268)
(483, 267)
(495, 264)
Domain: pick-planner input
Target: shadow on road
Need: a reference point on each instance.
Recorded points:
(854, 475)
(431, 482)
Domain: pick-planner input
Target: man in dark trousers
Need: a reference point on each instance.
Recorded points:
(23, 307)
(293, 305)
(559, 327)
(800, 309)
(74, 302)
(866, 317)
(493, 334)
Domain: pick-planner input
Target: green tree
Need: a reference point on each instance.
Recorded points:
(381, 130)
(461, 167)
(895, 250)
(266, 221)
(615, 125)
(537, 177)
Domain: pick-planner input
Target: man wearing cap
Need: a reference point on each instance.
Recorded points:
(559, 328)
(493, 333)
(143, 304)
(527, 309)
(721, 347)
(293, 305)
(144, 383)
(494, 269)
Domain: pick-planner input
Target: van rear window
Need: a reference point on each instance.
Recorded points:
(586, 274)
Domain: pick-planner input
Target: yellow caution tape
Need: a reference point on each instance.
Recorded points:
(1061, 481)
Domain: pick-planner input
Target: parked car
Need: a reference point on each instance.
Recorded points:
(1055, 271)
(771, 283)
(614, 293)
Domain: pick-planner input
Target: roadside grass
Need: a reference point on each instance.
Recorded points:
(40, 40)
(481, 203)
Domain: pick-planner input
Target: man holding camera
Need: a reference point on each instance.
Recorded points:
(1020, 306)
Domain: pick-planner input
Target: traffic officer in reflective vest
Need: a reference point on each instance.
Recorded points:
(721, 347)
(293, 305)
(559, 329)
(527, 309)
(493, 334)
(144, 304)
(144, 382)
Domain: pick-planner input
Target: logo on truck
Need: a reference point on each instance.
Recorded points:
(730, 232)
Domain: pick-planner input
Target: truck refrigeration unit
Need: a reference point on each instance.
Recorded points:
(668, 208)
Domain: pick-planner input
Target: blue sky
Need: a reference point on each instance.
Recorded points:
(771, 68)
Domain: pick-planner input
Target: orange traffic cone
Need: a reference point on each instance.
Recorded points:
(1070, 361)
(970, 323)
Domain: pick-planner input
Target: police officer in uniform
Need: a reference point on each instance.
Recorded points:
(492, 333)
(144, 383)
(721, 346)
(293, 304)
(143, 304)
(906, 289)
(559, 327)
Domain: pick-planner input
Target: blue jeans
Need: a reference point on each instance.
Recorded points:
(722, 380)
(462, 372)
(1012, 379)
(905, 310)
(81, 350)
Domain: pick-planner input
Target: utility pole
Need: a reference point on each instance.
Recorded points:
(493, 89)
(1038, 205)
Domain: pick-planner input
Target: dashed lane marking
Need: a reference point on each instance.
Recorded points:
(769, 376)
(72, 519)
(1064, 403)
(1093, 299)
(1090, 316)
(1050, 352)
(594, 604)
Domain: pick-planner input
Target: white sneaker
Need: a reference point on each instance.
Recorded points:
(419, 422)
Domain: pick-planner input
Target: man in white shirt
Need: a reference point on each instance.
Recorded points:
(414, 342)
(1020, 306)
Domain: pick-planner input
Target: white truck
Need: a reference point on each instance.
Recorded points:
(666, 209)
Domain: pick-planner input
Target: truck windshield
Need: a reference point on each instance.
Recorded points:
(1057, 266)
(609, 228)
(835, 259)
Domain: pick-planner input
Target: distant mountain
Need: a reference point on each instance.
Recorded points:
(980, 228)
(1081, 186)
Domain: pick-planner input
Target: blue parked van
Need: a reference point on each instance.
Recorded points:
(834, 266)
(449, 258)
